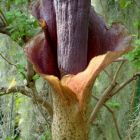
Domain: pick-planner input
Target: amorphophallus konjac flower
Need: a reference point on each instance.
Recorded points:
(73, 48)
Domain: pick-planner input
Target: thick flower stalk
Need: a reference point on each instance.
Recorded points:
(68, 54)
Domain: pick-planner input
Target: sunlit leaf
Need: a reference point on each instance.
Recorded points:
(12, 84)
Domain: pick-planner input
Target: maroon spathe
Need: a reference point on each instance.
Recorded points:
(49, 56)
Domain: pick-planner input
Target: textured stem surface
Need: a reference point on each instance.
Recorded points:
(68, 122)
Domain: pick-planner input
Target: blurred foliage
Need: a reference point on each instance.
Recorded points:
(127, 12)
(114, 105)
(21, 24)
(137, 97)
(46, 135)
(134, 56)
(17, 114)
(125, 3)
(126, 105)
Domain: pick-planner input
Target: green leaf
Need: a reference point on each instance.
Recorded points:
(114, 104)
(21, 70)
(124, 3)
(36, 77)
(21, 25)
(8, 138)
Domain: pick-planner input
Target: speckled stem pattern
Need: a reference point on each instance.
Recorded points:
(68, 122)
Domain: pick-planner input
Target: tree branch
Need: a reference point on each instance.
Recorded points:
(10, 63)
(37, 100)
(3, 18)
(101, 102)
(20, 89)
(105, 95)
(110, 93)
(27, 92)
(113, 116)
(117, 72)
(109, 76)
(120, 60)
(134, 77)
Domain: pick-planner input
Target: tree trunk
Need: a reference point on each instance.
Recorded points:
(68, 122)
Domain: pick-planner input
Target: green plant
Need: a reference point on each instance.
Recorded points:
(134, 56)
(21, 25)
(46, 135)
